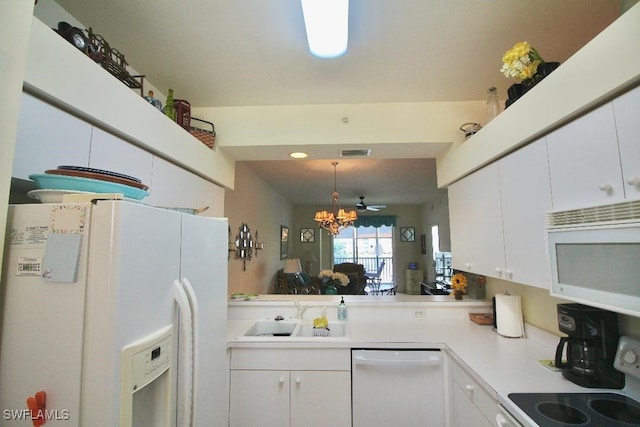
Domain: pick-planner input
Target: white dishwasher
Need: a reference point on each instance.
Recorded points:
(393, 387)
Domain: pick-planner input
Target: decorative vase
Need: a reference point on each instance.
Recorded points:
(457, 294)
(516, 90)
(331, 290)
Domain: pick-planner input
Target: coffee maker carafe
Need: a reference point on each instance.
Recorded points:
(590, 346)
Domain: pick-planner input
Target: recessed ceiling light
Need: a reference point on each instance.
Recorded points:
(327, 25)
(298, 155)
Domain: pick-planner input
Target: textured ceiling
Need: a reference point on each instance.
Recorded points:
(253, 52)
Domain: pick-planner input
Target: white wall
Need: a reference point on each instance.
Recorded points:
(264, 210)
(14, 41)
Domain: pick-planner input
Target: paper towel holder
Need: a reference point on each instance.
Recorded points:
(514, 314)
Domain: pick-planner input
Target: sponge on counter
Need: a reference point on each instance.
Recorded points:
(320, 322)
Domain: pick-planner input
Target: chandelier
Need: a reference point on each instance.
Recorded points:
(337, 219)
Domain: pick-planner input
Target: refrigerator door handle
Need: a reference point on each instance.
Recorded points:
(195, 321)
(185, 352)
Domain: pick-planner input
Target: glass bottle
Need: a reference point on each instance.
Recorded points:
(169, 109)
(493, 107)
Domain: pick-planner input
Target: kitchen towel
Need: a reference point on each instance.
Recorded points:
(509, 321)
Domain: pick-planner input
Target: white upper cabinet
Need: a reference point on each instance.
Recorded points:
(526, 198)
(627, 114)
(498, 218)
(584, 163)
(48, 137)
(476, 223)
(111, 153)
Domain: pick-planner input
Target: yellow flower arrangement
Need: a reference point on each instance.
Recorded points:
(459, 282)
(521, 61)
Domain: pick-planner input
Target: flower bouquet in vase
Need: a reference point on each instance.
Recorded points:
(458, 285)
(524, 62)
(331, 280)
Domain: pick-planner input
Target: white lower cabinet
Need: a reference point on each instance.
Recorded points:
(292, 387)
(472, 403)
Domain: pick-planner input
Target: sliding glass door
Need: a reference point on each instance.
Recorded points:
(368, 246)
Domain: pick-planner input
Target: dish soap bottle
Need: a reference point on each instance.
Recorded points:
(342, 310)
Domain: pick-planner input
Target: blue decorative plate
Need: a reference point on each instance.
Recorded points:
(63, 182)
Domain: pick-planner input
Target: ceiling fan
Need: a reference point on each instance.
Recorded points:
(362, 207)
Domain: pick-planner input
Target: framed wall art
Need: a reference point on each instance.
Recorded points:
(407, 234)
(307, 235)
(284, 242)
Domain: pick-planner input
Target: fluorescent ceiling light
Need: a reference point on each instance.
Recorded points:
(327, 24)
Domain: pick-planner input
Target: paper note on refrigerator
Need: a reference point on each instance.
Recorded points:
(61, 257)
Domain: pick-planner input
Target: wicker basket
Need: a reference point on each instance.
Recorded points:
(202, 132)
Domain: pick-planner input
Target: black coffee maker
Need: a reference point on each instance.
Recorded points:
(591, 346)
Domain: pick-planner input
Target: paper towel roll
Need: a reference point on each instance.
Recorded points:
(509, 316)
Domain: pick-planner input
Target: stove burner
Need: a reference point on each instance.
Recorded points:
(619, 411)
(583, 409)
(562, 413)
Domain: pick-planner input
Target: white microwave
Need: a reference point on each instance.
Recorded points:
(595, 256)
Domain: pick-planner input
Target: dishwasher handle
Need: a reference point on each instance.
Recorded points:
(376, 361)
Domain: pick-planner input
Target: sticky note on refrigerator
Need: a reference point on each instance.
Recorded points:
(61, 257)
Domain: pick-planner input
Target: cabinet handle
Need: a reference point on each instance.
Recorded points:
(468, 265)
(508, 273)
(607, 188)
(281, 380)
(469, 388)
(298, 380)
(634, 181)
(499, 271)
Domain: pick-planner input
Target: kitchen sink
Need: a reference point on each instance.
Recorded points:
(271, 328)
(292, 329)
(337, 329)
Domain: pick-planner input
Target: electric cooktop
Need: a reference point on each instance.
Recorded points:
(579, 409)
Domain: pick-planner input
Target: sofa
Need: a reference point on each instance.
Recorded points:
(301, 283)
(357, 278)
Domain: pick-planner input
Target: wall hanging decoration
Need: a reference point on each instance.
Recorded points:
(307, 235)
(244, 244)
(407, 234)
(524, 62)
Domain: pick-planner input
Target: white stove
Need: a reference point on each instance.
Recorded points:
(589, 408)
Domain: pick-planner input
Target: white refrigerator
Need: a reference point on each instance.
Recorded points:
(113, 314)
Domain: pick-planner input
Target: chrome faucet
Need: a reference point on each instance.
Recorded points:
(300, 309)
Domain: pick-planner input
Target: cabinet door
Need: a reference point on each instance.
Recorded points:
(584, 163)
(526, 197)
(628, 126)
(463, 412)
(115, 154)
(172, 186)
(460, 223)
(259, 398)
(320, 398)
(413, 279)
(48, 137)
(477, 221)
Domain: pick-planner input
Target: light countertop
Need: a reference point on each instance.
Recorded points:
(502, 365)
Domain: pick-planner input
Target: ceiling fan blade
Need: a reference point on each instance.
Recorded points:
(373, 208)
